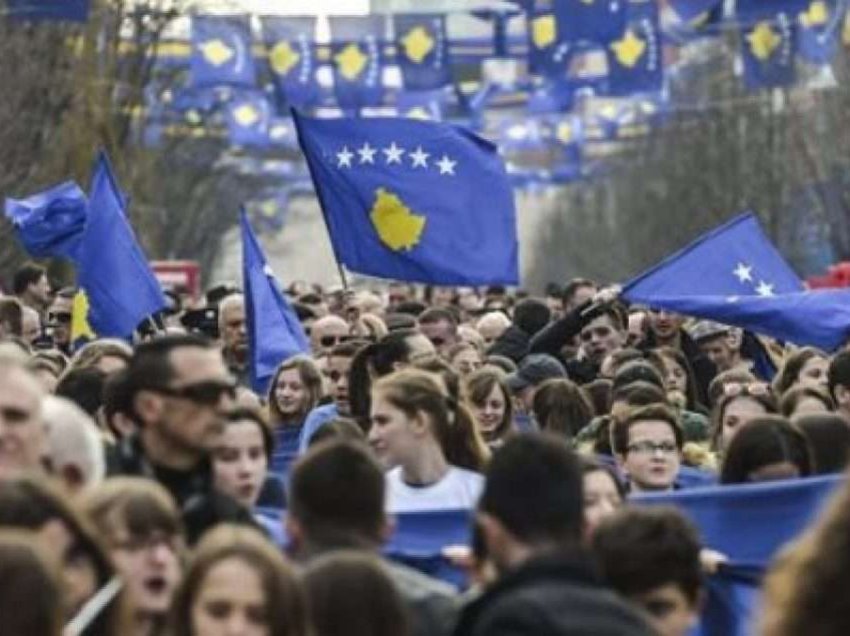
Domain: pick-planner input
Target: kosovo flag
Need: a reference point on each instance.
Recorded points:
(358, 61)
(274, 331)
(119, 286)
(635, 61)
(249, 117)
(69, 10)
(769, 48)
(221, 51)
(818, 29)
(423, 51)
(50, 223)
(598, 21)
(413, 200)
(694, 12)
(545, 55)
(292, 59)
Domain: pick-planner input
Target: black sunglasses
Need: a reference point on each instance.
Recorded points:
(330, 341)
(208, 393)
(61, 319)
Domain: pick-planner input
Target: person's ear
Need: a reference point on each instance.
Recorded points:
(842, 395)
(419, 423)
(387, 529)
(148, 406)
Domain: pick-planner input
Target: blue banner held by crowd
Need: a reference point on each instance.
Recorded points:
(274, 331)
(50, 223)
(413, 200)
(221, 51)
(113, 272)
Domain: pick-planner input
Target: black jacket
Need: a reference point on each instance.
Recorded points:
(513, 343)
(201, 506)
(552, 338)
(554, 596)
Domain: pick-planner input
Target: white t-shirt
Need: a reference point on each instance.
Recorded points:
(458, 490)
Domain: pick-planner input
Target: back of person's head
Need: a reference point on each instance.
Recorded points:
(829, 441)
(600, 394)
(75, 447)
(800, 587)
(641, 550)
(410, 307)
(839, 373)
(561, 407)
(339, 428)
(351, 594)
(805, 397)
(84, 387)
(134, 506)
(284, 603)
(531, 315)
(94, 352)
(533, 488)
(637, 371)
(638, 394)
(463, 444)
(31, 595)
(732, 376)
(11, 317)
(336, 496)
(27, 274)
(766, 448)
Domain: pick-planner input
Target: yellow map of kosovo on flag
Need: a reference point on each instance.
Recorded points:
(398, 227)
(81, 330)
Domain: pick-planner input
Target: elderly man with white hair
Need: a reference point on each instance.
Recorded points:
(492, 325)
(75, 451)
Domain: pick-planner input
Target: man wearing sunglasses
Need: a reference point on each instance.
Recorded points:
(59, 318)
(328, 332)
(178, 391)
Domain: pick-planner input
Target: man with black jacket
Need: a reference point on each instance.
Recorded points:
(530, 517)
(177, 390)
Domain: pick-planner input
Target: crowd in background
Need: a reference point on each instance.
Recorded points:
(145, 489)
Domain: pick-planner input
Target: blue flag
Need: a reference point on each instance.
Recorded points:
(734, 275)
(635, 60)
(249, 118)
(358, 61)
(50, 223)
(694, 11)
(735, 259)
(274, 332)
(221, 51)
(112, 271)
(769, 41)
(818, 30)
(421, 104)
(70, 10)
(413, 200)
(423, 51)
(292, 59)
(732, 597)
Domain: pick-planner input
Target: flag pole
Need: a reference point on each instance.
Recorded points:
(342, 275)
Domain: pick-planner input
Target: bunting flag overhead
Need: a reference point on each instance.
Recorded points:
(422, 51)
(358, 61)
(221, 51)
(293, 60)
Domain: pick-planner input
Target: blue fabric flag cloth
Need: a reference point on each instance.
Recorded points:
(358, 61)
(694, 10)
(249, 117)
(423, 50)
(70, 10)
(734, 275)
(50, 223)
(112, 270)
(732, 597)
(413, 200)
(292, 59)
(818, 30)
(750, 522)
(221, 51)
(635, 55)
(274, 332)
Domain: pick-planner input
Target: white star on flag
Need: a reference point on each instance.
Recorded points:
(446, 165)
(764, 289)
(344, 158)
(744, 273)
(393, 153)
(420, 157)
(367, 153)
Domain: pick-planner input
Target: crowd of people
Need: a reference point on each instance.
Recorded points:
(146, 489)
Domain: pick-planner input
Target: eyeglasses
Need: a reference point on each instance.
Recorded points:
(437, 341)
(734, 389)
(330, 341)
(208, 393)
(650, 448)
(137, 544)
